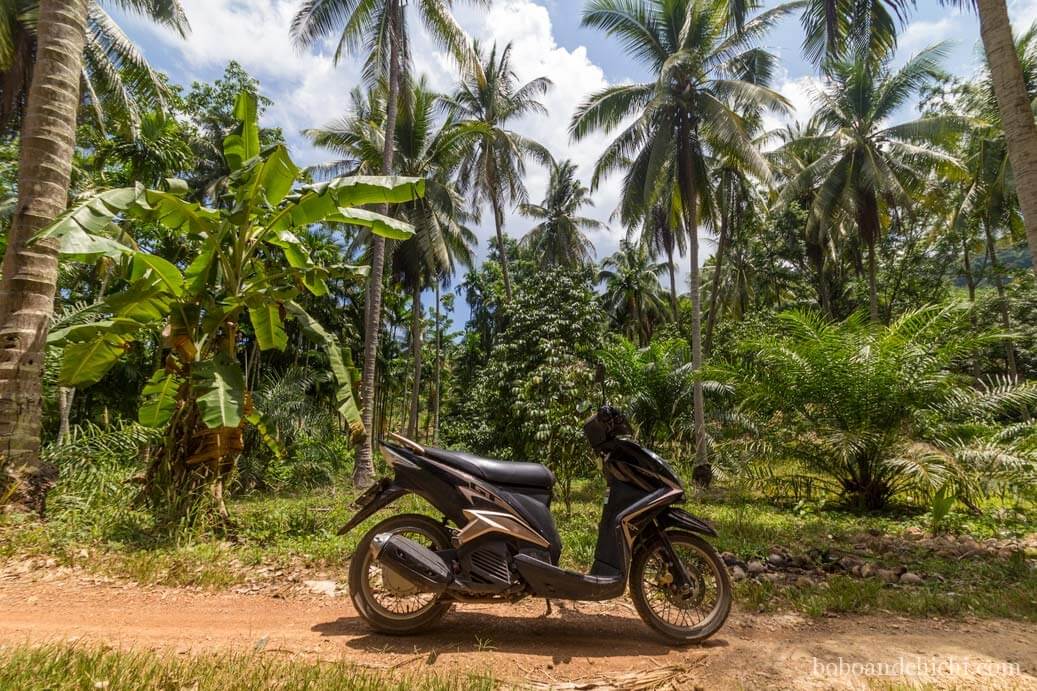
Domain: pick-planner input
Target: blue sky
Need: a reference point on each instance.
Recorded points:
(309, 90)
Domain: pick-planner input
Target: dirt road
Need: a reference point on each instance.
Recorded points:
(594, 643)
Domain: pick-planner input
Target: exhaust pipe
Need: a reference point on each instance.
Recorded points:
(421, 568)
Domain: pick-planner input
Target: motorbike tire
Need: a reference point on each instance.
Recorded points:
(700, 631)
(359, 587)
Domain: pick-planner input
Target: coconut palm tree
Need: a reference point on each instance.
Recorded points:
(632, 297)
(117, 82)
(493, 171)
(989, 200)
(661, 233)
(425, 149)
(558, 239)
(380, 28)
(868, 164)
(29, 272)
(703, 67)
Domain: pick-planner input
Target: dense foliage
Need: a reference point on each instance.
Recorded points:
(864, 329)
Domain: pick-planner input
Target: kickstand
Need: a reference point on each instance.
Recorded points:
(548, 612)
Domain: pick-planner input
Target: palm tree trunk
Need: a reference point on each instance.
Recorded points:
(714, 294)
(363, 472)
(1013, 102)
(702, 473)
(1002, 300)
(672, 268)
(498, 220)
(415, 350)
(66, 394)
(30, 272)
(439, 367)
(970, 281)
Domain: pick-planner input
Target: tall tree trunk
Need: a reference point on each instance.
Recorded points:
(30, 272)
(363, 473)
(1002, 300)
(711, 319)
(439, 367)
(66, 395)
(415, 350)
(1013, 102)
(702, 473)
(498, 221)
(672, 268)
(970, 281)
(868, 227)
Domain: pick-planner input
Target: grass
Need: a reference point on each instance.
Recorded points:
(297, 535)
(59, 667)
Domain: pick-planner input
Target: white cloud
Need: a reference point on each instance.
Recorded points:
(801, 94)
(309, 90)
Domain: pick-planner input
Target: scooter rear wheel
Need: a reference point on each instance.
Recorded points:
(385, 601)
(683, 616)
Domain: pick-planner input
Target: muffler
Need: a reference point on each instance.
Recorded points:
(420, 569)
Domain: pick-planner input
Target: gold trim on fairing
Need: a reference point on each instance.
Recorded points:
(482, 522)
(410, 444)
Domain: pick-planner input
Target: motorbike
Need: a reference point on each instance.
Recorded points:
(497, 540)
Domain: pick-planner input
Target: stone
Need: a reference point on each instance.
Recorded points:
(773, 577)
(729, 558)
(737, 573)
(756, 567)
(909, 578)
(776, 559)
(848, 563)
(804, 582)
(328, 588)
(868, 570)
(888, 575)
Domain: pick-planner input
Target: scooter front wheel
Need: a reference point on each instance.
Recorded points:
(388, 603)
(682, 614)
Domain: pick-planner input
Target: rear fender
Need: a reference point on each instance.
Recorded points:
(672, 517)
(377, 497)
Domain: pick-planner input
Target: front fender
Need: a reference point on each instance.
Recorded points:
(377, 497)
(672, 517)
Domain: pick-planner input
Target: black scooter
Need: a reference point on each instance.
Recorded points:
(497, 540)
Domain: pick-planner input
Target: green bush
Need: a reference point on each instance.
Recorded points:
(871, 411)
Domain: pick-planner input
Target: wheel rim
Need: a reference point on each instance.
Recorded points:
(698, 603)
(390, 594)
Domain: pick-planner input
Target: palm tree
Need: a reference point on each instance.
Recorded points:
(118, 83)
(990, 200)
(661, 233)
(558, 239)
(703, 67)
(380, 28)
(867, 163)
(631, 295)
(29, 272)
(424, 149)
(494, 169)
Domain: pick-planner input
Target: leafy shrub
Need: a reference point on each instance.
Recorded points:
(870, 411)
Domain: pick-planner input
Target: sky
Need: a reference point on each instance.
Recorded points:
(309, 90)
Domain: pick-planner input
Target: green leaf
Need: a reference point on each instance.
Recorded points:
(86, 362)
(341, 366)
(243, 143)
(159, 399)
(276, 175)
(325, 202)
(167, 275)
(219, 389)
(379, 224)
(79, 333)
(266, 320)
(146, 300)
(262, 425)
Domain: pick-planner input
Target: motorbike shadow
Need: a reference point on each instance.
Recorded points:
(566, 634)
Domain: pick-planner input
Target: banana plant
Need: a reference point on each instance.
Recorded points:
(249, 263)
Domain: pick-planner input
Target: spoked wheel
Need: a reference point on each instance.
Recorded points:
(688, 614)
(387, 602)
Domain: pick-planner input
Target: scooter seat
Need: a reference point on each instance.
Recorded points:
(499, 472)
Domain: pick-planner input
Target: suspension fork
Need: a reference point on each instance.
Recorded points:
(681, 579)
